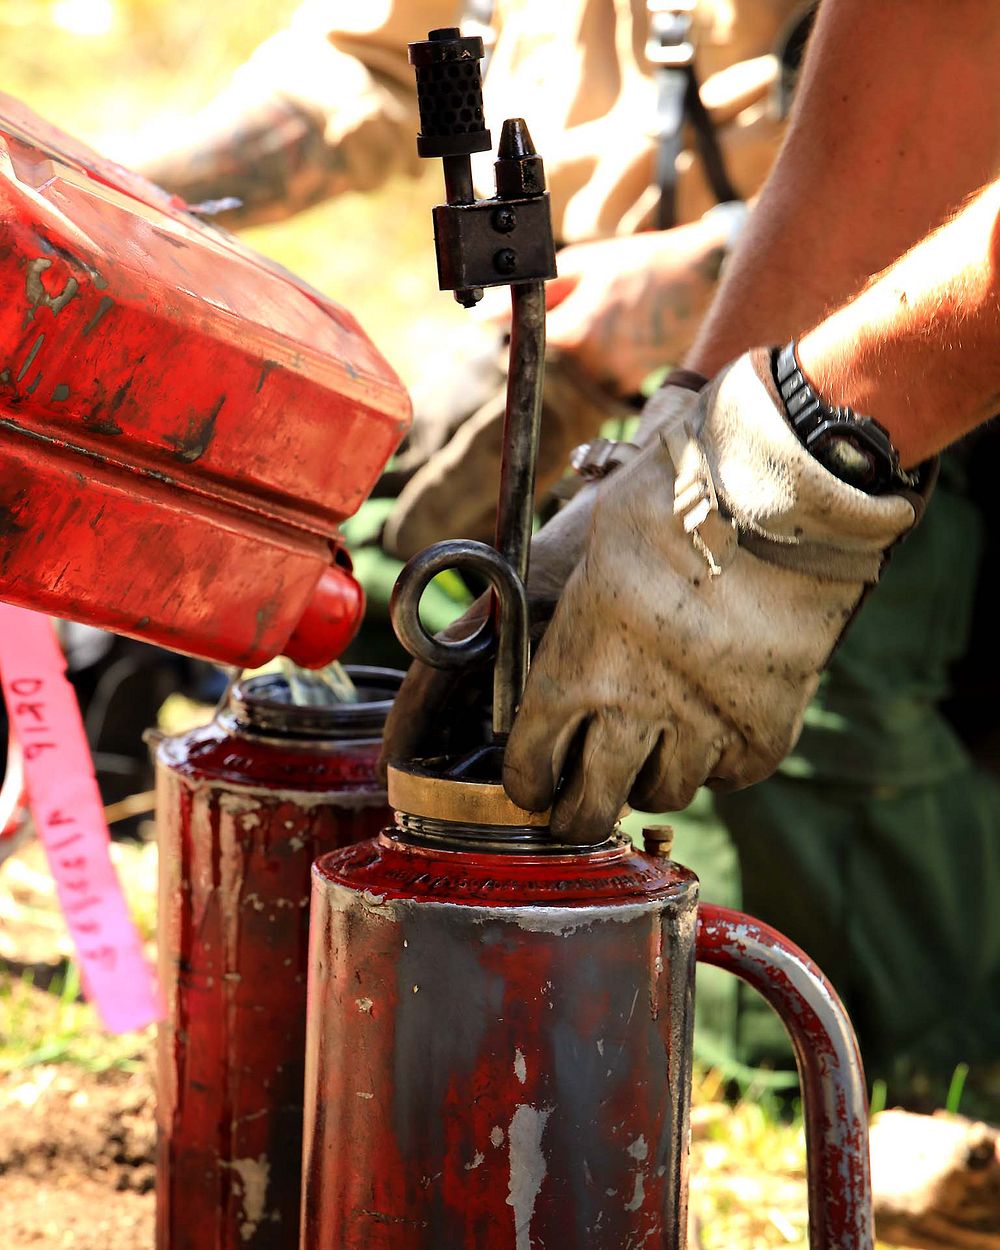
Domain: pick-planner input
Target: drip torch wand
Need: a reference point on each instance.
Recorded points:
(501, 241)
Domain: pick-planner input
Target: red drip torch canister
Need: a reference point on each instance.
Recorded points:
(499, 1042)
(498, 1048)
(244, 806)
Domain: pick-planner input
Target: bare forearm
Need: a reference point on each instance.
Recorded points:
(319, 109)
(919, 348)
(896, 123)
(270, 162)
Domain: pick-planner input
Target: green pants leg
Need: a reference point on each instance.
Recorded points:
(877, 845)
(895, 896)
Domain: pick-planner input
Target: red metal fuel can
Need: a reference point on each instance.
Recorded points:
(244, 806)
(499, 1050)
(183, 424)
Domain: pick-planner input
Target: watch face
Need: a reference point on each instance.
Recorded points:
(846, 456)
(855, 449)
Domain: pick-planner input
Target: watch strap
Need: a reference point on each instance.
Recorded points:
(854, 448)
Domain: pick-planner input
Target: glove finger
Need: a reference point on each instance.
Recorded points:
(599, 775)
(653, 779)
(681, 760)
(536, 751)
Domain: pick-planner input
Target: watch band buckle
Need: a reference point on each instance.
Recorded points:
(669, 43)
(595, 460)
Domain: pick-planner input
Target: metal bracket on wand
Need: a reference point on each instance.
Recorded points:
(504, 240)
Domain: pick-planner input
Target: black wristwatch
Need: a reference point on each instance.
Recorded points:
(855, 449)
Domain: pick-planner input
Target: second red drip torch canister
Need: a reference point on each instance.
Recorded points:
(244, 806)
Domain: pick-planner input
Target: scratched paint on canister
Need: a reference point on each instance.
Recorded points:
(527, 1167)
(36, 293)
(242, 812)
(253, 1176)
(496, 1120)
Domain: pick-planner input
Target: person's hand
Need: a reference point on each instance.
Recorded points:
(453, 465)
(721, 566)
(623, 308)
(437, 710)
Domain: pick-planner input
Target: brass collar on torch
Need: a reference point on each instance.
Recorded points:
(419, 793)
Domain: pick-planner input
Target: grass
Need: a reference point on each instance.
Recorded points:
(56, 1027)
(43, 1018)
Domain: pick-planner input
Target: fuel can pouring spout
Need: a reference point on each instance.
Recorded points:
(499, 1041)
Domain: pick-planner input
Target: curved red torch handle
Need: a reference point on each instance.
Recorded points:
(830, 1073)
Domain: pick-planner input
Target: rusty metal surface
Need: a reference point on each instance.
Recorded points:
(498, 1050)
(182, 423)
(501, 240)
(241, 816)
(834, 1098)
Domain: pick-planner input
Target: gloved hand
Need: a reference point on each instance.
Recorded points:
(445, 397)
(437, 710)
(721, 567)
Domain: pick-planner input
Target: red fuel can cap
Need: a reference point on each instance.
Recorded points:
(330, 621)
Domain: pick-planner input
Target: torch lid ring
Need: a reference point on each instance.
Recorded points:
(420, 793)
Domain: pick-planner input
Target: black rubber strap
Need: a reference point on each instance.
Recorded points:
(670, 49)
(854, 448)
(679, 101)
(707, 141)
(671, 97)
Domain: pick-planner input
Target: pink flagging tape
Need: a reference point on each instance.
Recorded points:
(12, 791)
(66, 806)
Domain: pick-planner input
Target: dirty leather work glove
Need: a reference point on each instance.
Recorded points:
(721, 567)
(437, 710)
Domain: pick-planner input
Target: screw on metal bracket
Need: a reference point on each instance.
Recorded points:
(504, 219)
(466, 230)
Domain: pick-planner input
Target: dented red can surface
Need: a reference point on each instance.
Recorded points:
(244, 806)
(183, 424)
(499, 1048)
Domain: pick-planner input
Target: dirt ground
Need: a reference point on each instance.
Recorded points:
(77, 1127)
(77, 1158)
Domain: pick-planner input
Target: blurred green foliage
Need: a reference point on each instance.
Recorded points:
(58, 1027)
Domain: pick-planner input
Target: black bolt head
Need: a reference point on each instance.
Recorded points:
(504, 220)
